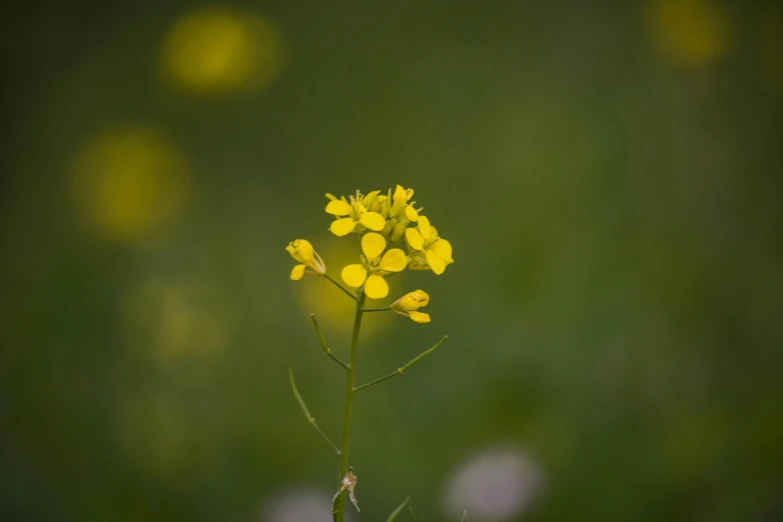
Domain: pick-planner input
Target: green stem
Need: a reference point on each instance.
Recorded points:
(306, 412)
(341, 287)
(339, 505)
(403, 369)
(464, 513)
(376, 309)
(326, 349)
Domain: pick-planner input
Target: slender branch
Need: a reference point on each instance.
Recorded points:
(339, 504)
(464, 513)
(399, 509)
(306, 412)
(341, 287)
(376, 309)
(327, 351)
(403, 369)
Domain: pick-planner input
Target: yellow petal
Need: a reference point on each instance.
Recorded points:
(443, 249)
(297, 272)
(376, 287)
(414, 238)
(424, 227)
(331, 198)
(402, 195)
(421, 297)
(338, 208)
(354, 275)
(419, 317)
(371, 201)
(411, 301)
(411, 213)
(437, 264)
(372, 245)
(301, 250)
(373, 221)
(394, 260)
(342, 226)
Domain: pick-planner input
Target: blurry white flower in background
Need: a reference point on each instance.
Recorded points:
(496, 484)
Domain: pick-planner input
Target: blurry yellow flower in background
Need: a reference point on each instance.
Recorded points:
(692, 32)
(330, 305)
(216, 49)
(370, 273)
(356, 212)
(302, 251)
(129, 182)
(408, 305)
(437, 251)
(185, 318)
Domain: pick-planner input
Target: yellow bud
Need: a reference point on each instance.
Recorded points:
(408, 305)
(411, 301)
(384, 205)
(387, 229)
(399, 230)
(301, 250)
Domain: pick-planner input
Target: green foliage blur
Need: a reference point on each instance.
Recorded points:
(609, 176)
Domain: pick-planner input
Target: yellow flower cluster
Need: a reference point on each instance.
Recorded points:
(381, 221)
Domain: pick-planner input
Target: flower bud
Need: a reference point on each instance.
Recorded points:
(387, 229)
(399, 230)
(408, 305)
(301, 250)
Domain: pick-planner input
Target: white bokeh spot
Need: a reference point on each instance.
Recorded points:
(496, 484)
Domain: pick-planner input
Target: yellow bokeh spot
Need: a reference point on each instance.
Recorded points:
(215, 49)
(333, 309)
(171, 321)
(127, 183)
(691, 32)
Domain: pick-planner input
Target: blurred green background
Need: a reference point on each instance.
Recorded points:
(608, 173)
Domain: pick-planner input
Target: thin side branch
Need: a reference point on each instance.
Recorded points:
(307, 415)
(464, 513)
(399, 509)
(403, 369)
(341, 287)
(326, 349)
(376, 309)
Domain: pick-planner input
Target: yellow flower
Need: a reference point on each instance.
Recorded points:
(303, 251)
(401, 207)
(408, 305)
(370, 273)
(355, 213)
(437, 251)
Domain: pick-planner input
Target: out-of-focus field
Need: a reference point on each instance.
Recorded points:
(609, 177)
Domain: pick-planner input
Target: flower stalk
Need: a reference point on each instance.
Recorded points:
(306, 412)
(327, 351)
(339, 505)
(403, 368)
(394, 237)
